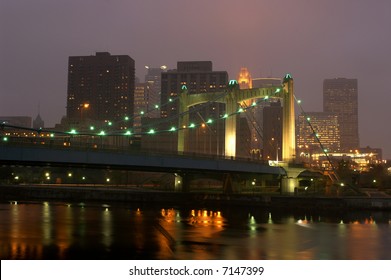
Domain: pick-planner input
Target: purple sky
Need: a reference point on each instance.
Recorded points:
(312, 40)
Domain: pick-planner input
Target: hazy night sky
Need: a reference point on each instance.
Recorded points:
(310, 39)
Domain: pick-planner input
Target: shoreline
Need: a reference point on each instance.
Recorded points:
(133, 195)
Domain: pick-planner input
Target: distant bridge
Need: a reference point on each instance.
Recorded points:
(180, 165)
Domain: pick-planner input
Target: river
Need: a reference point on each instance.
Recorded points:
(79, 231)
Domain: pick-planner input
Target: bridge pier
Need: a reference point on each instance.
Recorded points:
(178, 185)
(289, 185)
(290, 182)
(182, 182)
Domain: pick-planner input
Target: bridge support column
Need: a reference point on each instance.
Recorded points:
(183, 121)
(230, 127)
(178, 184)
(182, 182)
(231, 184)
(288, 121)
(290, 181)
(288, 185)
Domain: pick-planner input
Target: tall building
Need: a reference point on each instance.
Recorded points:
(153, 80)
(140, 105)
(272, 131)
(38, 122)
(340, 96)
(324, 130)
(101, 88)
(197, 76)
(244, 79)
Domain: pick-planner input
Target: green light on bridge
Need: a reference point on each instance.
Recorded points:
(92, 127)
(192, 125)
(151, 131)
(102, 133)
(5, 139)
(73, 131)
(126, 118)
(277, 90)
(173, 128)
(156, 106)
(142, 113)
(254, 104)
(110, 123)
(225, 116)
(209, 121)
(128, 133)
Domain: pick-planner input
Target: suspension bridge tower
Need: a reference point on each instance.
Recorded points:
(288, 121)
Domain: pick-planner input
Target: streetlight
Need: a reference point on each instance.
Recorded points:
(82, 107)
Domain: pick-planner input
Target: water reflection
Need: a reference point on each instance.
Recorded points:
(80, 231)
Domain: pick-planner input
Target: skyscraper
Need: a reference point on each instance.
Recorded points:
(140, 105)
(272, 131)
(101, 88)
(197, 76)
(244, 79)
(326, 128)
(340, 96)
(153, 80)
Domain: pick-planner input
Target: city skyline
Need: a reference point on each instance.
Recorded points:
(312, 41)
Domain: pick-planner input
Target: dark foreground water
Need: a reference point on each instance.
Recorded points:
(95, 231)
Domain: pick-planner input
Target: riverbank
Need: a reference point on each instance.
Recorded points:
(135, 195)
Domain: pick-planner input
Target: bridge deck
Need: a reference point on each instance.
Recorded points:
(67, 156)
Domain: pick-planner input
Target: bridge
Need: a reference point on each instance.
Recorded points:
(231, 170)
(184, 167)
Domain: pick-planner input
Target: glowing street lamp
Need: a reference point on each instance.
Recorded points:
(83, 106)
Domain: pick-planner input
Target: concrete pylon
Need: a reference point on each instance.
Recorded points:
(230, 125)
(183, 120)
(288, 121)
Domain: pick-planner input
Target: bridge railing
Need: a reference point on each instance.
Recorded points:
(67, 143)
